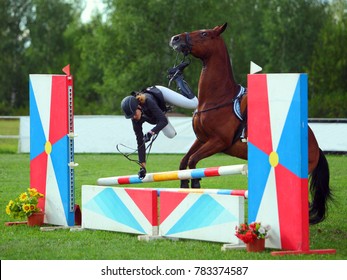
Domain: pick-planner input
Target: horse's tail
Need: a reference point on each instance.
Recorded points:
(320, 190)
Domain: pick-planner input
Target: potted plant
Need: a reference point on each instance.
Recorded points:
(25, 206)
(253, 235)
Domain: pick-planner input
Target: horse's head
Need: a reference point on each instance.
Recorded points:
(199, 42)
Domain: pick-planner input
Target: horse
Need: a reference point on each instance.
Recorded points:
(217, 91)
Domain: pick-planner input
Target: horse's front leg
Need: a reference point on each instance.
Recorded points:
(211, 147)
(184, 161)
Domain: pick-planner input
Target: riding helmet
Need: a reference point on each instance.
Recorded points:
(129, 105)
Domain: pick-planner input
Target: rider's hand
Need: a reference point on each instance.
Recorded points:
(147, 137)
(142, 173)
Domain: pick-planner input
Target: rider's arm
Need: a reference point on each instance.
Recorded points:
(157, 113)
(137, 126)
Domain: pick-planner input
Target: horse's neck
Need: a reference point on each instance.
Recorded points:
(217, 80)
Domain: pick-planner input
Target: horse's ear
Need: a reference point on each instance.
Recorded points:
(220, 29)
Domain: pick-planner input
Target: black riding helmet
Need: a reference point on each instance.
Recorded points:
(129, 105)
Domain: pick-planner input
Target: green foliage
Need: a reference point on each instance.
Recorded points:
(126, 48)
(328, 70)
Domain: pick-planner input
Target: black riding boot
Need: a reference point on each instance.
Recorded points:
(184, 87)
(176, 74)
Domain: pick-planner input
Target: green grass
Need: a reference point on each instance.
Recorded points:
(9, 127)
(106, 245)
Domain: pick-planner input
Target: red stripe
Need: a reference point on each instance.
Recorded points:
(168, 203)
(59, 125)
(38, 176)
(238, 192)
(146, 201)
(211, 171)
(259, 113)
(123, 180)
(292, 193)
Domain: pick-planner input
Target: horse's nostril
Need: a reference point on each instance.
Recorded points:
(176, 38)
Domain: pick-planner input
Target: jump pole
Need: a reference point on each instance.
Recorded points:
(175, 175)
(236, 192)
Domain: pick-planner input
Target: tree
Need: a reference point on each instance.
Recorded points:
(32, 42)
(48, 48)
(290, 32)
(14, 37)
(328, 70)
(127, 47)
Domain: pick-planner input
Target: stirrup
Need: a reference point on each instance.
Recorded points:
(176, 72)
(179, 68)
(242, 136)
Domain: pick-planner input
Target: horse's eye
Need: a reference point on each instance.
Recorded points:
(203, 34)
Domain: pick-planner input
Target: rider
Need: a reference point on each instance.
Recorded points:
(149, 106)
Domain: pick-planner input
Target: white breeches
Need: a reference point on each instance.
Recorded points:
(177, 99)
(169, 131)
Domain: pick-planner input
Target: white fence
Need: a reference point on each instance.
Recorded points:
(101, 134)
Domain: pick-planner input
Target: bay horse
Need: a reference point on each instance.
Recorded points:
(217, 90)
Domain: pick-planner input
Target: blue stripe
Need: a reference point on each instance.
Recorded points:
(198, 173)
(37, 135)
(258, 173)
(108, 204)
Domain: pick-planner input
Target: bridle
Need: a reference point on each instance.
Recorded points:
(188, 44)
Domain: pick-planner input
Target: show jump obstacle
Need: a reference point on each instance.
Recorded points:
(52, 145)
(278, 159)
(201, 214)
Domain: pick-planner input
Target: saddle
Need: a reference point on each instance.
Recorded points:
(241, 132)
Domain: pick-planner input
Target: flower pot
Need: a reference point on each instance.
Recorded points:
(36, 219)
(257, 245)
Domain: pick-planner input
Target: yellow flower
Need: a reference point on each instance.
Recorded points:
(26, 208)
(8, 209)
(24, 205)
(10, 203)
(23, 196)
(34, 193)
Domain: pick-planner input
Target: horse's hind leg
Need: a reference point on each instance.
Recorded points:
(184, 161)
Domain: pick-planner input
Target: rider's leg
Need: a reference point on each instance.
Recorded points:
(173, 98)
(169, 131)
(176, 74)
(184, 87)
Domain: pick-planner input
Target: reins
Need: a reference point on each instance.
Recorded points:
(237, 97)
(188, 44)
(128, 155)
(215, 108)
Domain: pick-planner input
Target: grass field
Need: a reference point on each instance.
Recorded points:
(104, 245)
(9, 127)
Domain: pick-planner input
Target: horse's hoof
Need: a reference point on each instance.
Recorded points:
(184, 184)
(195, 184)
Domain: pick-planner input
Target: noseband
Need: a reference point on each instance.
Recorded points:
(188, 44)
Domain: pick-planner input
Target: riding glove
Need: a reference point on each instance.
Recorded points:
(147, 137)
(142, 173)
